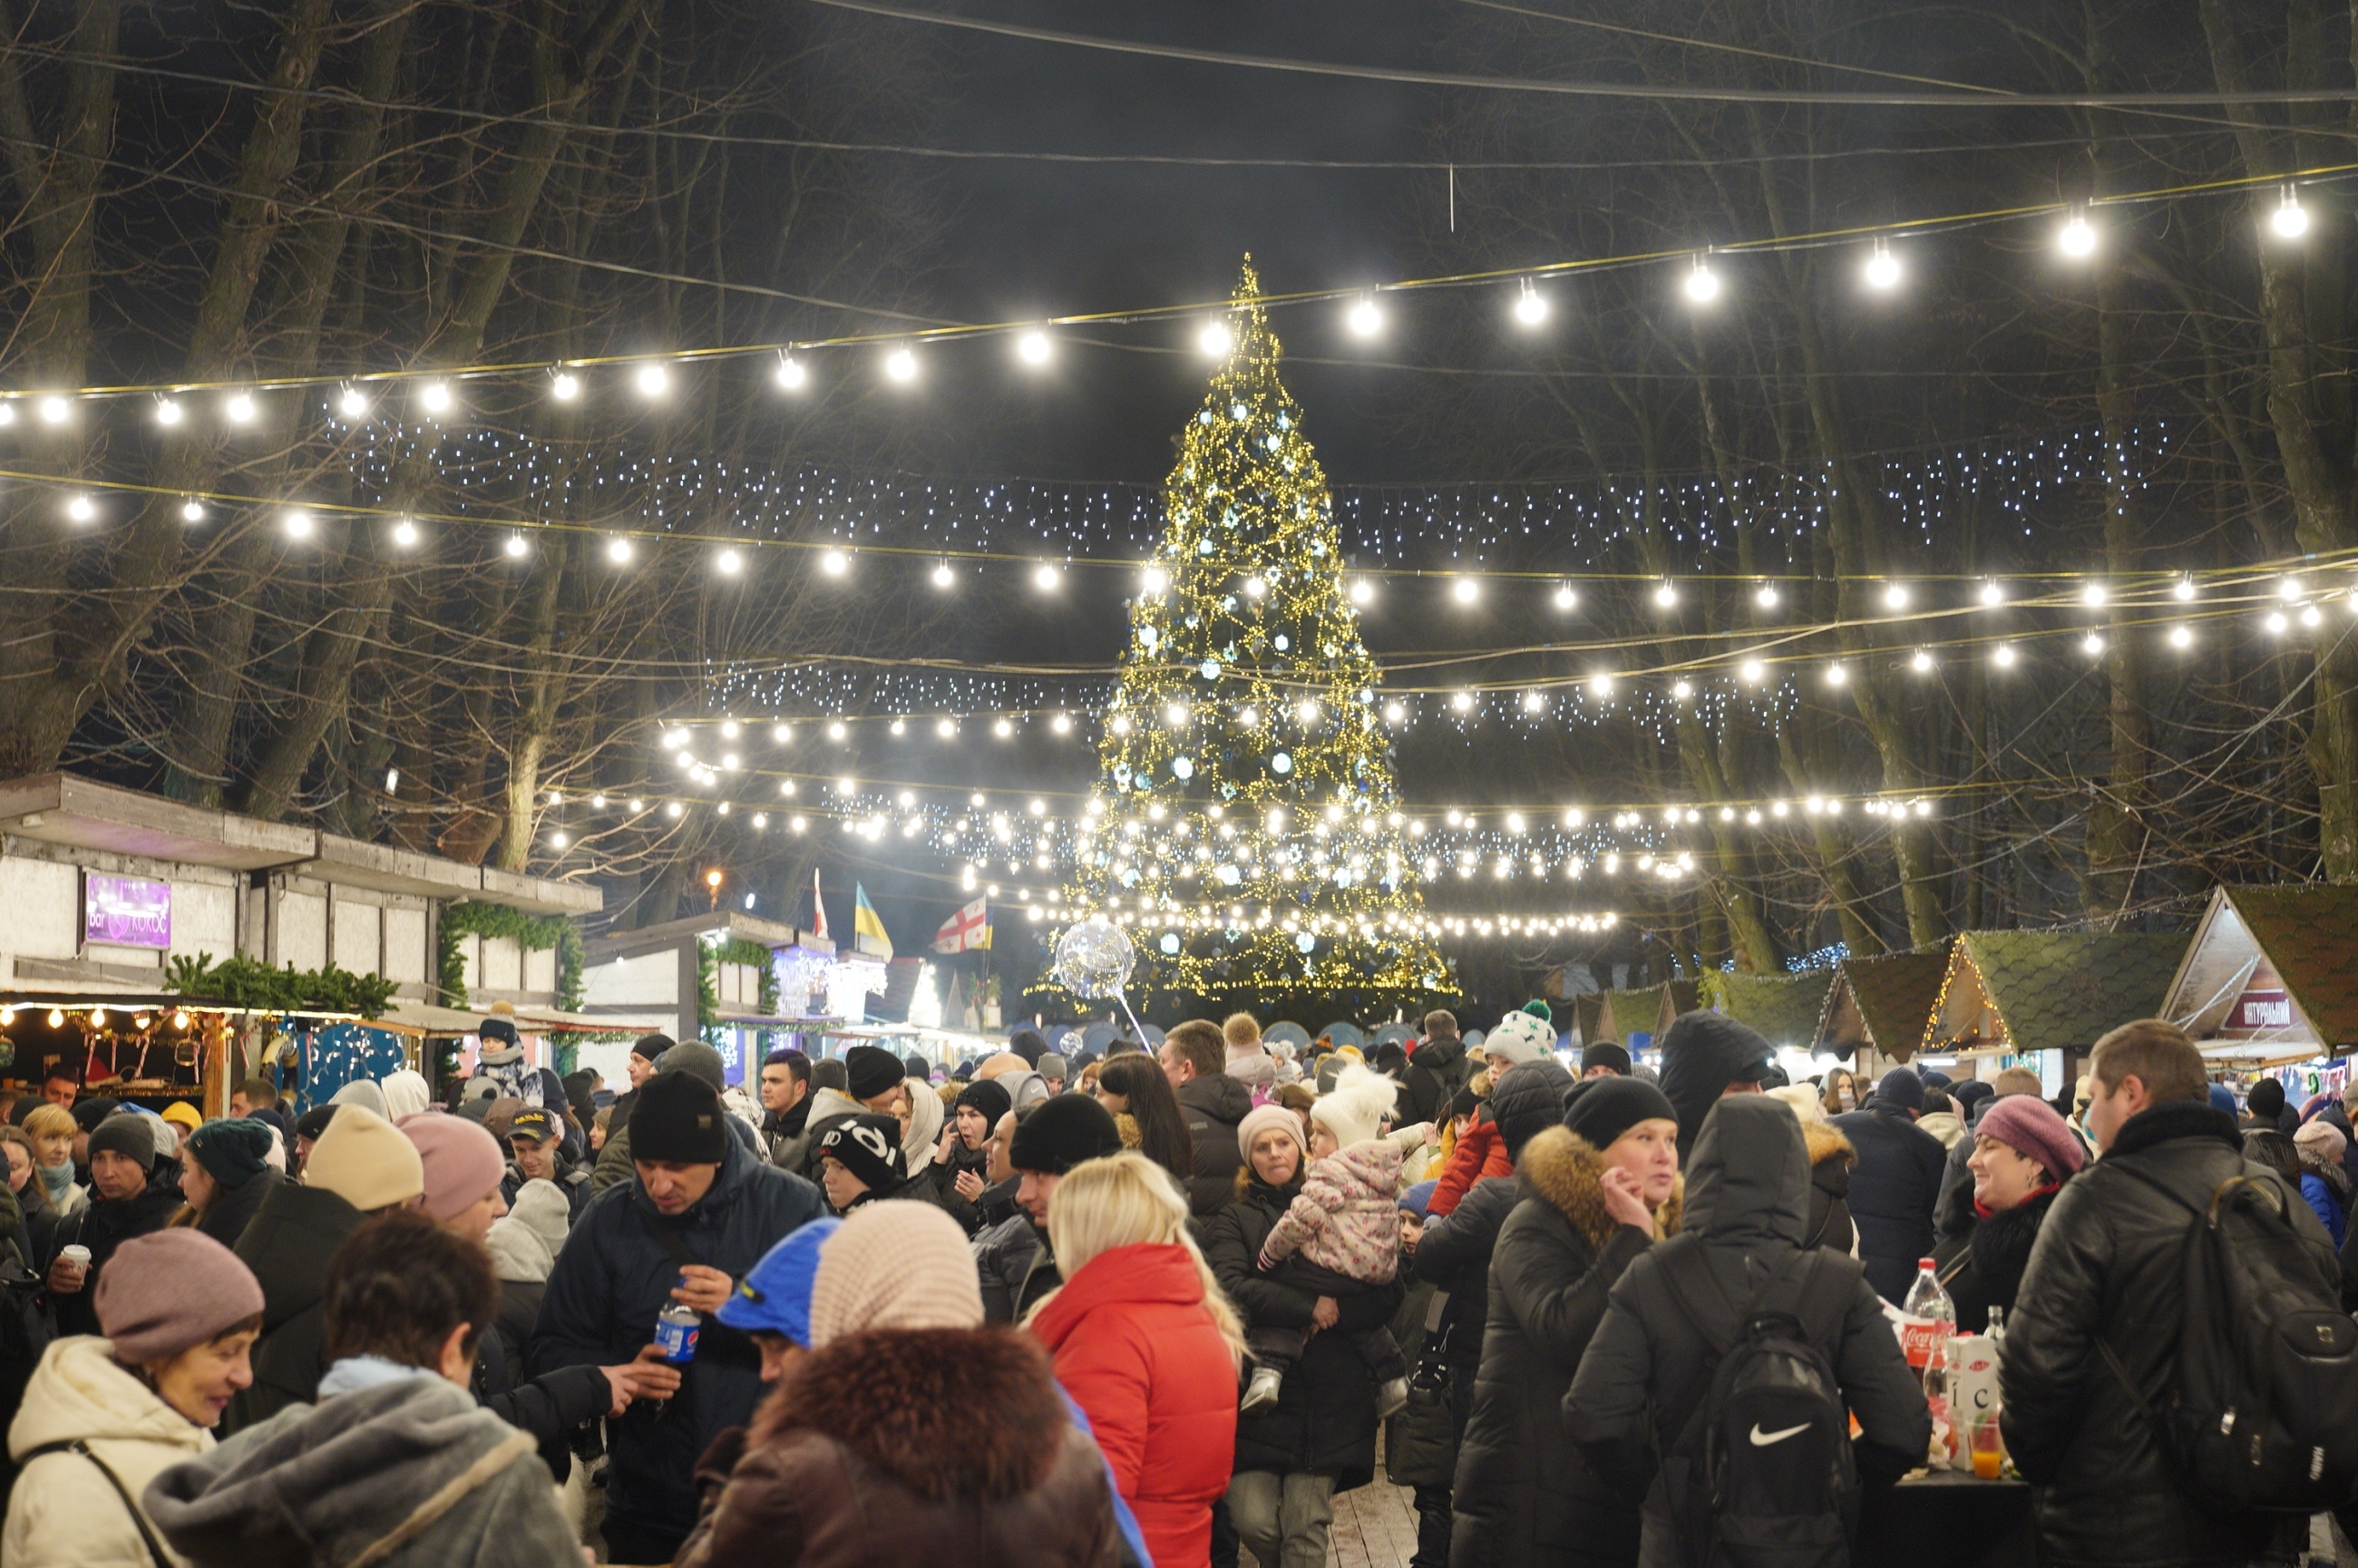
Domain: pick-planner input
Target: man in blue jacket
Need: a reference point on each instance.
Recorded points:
(698, 1213)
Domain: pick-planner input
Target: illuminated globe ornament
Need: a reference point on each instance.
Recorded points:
(1094, 958)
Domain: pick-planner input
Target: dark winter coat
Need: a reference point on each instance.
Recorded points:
(234, 1209)
(102, 1225)
(1831, 1158)
(1980, 1262)
(288, 1245)
(1323, 1421)
(2107, 1265)
(1012, 1263)
(937, 1183)
(1212, 1107)
(616, 1274)
(1748, 1203)
(909, 1446)
(1524, 1497)
(550, 1407)
(1436, 1074)
(1894, 1186)
(1455, 1252)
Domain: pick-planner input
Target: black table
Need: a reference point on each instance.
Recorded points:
(1947, 1519)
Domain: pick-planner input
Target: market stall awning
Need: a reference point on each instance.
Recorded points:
(1784, 1008)
(2271, 974)
(1881, 1002)
(2022, 991)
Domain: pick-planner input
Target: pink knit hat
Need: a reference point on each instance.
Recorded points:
(2322, 1139)
(2029, 1125)
(895, 1265)
(169, 1289)
(1260, 1118)
(463, 1161)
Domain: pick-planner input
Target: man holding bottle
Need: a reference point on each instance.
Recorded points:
(698, 1212)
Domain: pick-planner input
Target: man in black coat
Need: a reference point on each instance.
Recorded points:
(1895, 1186)
(1453, 1252)
(1194, 1058)
(131, 1194)
(1436, 1071)
(2107, 1270)
(1649, 1364)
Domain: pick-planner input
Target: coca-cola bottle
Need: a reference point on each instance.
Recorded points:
(1932, 1316)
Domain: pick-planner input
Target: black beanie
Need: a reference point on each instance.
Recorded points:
(232, 1151)
(652, 1046)
(872, 1070)
(1606, 1053)
(313, 1123)
(678, 1117)
(91, 1109)
(126, 1134)
(2266, 1099)
(986, 1097)
(870, 1148)
(1062, 1133)
(1602, 1110)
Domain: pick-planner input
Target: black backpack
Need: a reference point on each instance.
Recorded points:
(2260, 1408)
(1761, 1474)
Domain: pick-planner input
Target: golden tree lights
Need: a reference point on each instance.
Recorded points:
(1245, 829)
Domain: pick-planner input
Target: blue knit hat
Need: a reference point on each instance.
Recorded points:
(775, 1295)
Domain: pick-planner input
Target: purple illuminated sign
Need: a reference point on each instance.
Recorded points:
(125, 912)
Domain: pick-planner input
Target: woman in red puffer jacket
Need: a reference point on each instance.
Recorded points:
(1147, 1345)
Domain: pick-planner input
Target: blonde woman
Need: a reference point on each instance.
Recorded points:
(1147, 1345)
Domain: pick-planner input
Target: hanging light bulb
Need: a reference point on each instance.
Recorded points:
(2075, 238)
(1751, 671)
(1214, 340)
(55, 410)
(1838, 675)
(1466, 591)
(2183, 590)
(1882, 270)
(1364, 318)
(2091, 644)
(565, 386)
(1031, 348)
(790, 373)
(405, 533)
(1048, 579)
(1667, 595)
(729, 563)
(1703, 283)
(2004, 655)
(298, 524)
(1895, 596)
(1922, 662)
(82, 509)
(1530, 306)
(192, 511)
(239, 409)
(168, 412)
(1992, 594)
(901, 364)
(833, 563)
(1766, 597)
(943, 576)
(1565, 598)
(1153, 580)
(618, 551)
(2180, 637)
(353, 404)
(2094, 595)
(517, 547)
(652, 380)
(2290, 220)
(434, 397)
(1363, 592)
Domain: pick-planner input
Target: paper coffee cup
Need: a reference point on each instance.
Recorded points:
(77, 1256)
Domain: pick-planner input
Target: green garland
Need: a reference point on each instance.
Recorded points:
(533, 933)
(709, 956)
(250, 983)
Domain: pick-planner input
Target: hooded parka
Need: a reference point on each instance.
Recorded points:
(1524, 1497)
(63, 1512)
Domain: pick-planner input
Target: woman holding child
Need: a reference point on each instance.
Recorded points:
(1320, 1436)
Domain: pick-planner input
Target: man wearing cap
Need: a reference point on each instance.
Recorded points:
(699, 1210)
(1895, 1184)
(873, 1084)
(225, 1173)
(536, 1141)
(126, 1200)
(1013, 1260)
(359, 1167)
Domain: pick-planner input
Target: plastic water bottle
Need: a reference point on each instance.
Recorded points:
(675, 1329)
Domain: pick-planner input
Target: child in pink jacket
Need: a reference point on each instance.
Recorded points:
(1345, 1226)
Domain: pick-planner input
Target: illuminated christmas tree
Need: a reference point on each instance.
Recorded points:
(1246, 830)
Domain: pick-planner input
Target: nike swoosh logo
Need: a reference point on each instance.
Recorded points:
(1763, 1439)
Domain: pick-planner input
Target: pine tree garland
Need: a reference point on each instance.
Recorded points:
(1246, 830)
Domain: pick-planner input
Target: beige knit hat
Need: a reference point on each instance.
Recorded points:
(365, 1161)
(894, 1264)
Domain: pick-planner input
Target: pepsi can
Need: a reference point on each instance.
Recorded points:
(676, 1328)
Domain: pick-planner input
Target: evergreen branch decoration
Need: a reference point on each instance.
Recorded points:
(250, 983)
(532, 932)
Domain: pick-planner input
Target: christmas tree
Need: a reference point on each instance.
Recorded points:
(1246, 830)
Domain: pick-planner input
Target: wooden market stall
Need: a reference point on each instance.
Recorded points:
(2270, 979)
(1783, 1007)
(2042, 999)
(1876, 1008)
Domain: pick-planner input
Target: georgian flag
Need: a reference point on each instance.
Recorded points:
(967, 931)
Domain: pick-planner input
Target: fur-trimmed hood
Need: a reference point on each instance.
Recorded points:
(969, 1413)
(1822, 1139)
(1561, 1168)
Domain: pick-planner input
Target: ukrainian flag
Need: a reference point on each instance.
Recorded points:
(866, 922)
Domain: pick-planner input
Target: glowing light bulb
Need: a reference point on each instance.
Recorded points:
(1992, 594)
(2183, 590)
(516, 546)
(1667, 595)
(1703, 283)
(192, 511)
(1882, 270)
(1838, 675)
(297, 525)
(1767, 598)
(2094, 595)
(2290, 220)
(1565, 598)
(618, 551)
(1681, 690)
(1531, 306)
(565, 386)
(729, 563)
(790, 373)
(405, 533)
(55, 410)
(82, 509)
(901, 365)
(1154, 580)
(1466, 591)
(943, 576)
(2180, 637)
(1256, 586)
(1363, 592)
(2289, 588)
(1046, 578)
(1214, 340)
(434, 397)
(652, 380)
(2004, 655)
(168, 413)
(1895, 596)
(239, 409)
(2075, 238)
(2091, 644)
(353, 404)
(1365, 318)
(833, 563)
(1751, 671)
(1031, 348)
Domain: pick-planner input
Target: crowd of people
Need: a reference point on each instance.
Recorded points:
(1157, 1308)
